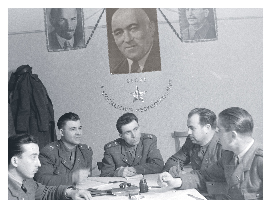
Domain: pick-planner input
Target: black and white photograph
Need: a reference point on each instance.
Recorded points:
(133, 42)
(153, 107)
(198, 24)
(64, 29)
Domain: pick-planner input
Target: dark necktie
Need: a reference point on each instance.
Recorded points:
(132, 153)
(67, 45)
(201, 153)
(23, 188)
(236, 160)
(72, 157)
(135, 67)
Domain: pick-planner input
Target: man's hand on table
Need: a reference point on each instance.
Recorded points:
(77, 194)
(175, 172)
(165, 179)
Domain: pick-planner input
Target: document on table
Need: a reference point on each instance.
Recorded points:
(138, 176)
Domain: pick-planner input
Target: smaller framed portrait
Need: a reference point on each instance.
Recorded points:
(198, 24)
(64, 28)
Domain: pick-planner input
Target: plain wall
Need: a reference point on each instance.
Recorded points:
(216, 75)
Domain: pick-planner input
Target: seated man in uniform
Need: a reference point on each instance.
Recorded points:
(202, 146)
(238, 174)
(66, 161)
(133, 153)
(23, 163)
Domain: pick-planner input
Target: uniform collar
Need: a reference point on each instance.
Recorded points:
(14, 186)
(241, 155)
(66, 149)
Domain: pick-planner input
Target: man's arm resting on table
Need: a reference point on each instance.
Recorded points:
(76, 194)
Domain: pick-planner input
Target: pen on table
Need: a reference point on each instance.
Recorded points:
(197, 198)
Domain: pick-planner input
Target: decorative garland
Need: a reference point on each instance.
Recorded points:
(176, 33)
(146, 108)
(95, 27)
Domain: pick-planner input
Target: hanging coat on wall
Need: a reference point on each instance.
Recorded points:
(31, 107)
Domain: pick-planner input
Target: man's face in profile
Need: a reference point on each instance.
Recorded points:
(196, 16)
(133, 32)
(66, 22)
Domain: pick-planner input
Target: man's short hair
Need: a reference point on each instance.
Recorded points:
(126, 118)
(237, 119)
(206, 116)
(66, 117)
(15, 143)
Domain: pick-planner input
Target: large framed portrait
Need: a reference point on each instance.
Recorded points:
(133, 41)
(198, 24)
(64, 28)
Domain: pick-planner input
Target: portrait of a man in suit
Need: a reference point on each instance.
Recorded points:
(133, 43)
(64, 29)
(198, 24)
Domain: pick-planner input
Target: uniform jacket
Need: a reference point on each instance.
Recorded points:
(31, 107)
(56, 167)
(190, 153)
(153, 62)
(207, 31)
(54, 44)
(34, 191)
(242, 182)
(148, 159)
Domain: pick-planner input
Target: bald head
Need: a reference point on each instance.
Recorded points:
(139, 14)
(133, 32)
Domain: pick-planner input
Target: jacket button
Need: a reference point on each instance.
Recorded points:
(257, 195)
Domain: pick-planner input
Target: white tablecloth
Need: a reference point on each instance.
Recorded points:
(166, 193)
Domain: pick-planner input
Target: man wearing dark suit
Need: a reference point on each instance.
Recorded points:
(133, 33)
(66, 34)
(133, 153)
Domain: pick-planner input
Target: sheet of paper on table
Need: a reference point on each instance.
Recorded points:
(166, 193)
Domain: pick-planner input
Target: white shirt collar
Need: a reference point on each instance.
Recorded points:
(241, 155)
(63, 40)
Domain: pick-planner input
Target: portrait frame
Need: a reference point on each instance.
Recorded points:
(184, 25)
(79, 35)
(114, 54)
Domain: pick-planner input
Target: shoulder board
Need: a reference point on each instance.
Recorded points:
(84, 146)
(51, 146)
(259, 152)
(148, 136)
(112, 144)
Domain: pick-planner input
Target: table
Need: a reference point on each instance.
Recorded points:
(165, 193)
